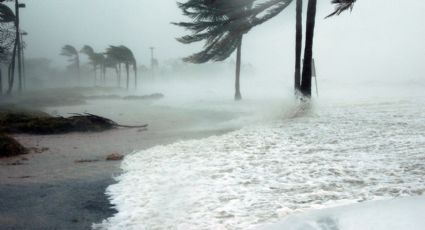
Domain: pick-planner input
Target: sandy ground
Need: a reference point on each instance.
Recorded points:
(50, 190)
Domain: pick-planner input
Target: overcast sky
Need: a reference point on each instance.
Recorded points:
(379, 38)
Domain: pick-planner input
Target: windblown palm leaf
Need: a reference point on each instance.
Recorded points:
(6, 14)
(222, 23)
(341, 6)
(96, 59)
(69, 51)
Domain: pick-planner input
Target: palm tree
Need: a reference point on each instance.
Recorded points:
(222, 24)
(74, 57)
(308, 49)
(96, 59)
(341, 6)
(123, 55)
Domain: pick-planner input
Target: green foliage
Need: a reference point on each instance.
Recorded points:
(222, 23)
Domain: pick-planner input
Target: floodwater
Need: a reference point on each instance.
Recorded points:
(327, 153)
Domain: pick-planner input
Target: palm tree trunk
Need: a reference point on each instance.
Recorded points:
(308, 51)
(95, 74)
(298, 45)
(127, 69)
(238, 95)
(104, 74)
(118, 76)
(135, 74)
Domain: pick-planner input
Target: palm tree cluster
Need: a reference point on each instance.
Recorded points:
(221, 24)
(112, 58)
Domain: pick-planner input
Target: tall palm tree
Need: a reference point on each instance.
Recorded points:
(308, 49)
(341, 6)
(123, 55)
(112, 63)
(215, 28)
(96, 59)
(72, 53)
(222, 24)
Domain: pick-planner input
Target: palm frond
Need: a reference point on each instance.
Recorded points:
(69, 51)
(341, 6)
(6, 14)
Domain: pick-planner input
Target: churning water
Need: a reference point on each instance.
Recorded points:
(319, 156)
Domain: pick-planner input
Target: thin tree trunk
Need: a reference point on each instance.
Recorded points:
(104, 75)
(117, 73)
(127, 69)
(238, 95)
(95, 75)
(308, 52)
(298, 45)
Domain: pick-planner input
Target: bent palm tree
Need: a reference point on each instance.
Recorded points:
(216, 27)
(222, 24)
(74, 57)
(96, 60)
(123, 55)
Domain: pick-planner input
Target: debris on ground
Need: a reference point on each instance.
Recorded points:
(85, 161)
(38, 150)
(9, 147)
(35, 122)
(115, 157)
(145, 97)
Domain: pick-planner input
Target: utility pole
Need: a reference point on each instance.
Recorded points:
(24, 76)
(152, 61)
(152, 56)
(18, 41)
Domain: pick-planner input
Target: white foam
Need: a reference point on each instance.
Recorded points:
(336, 154)
(394, 214)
